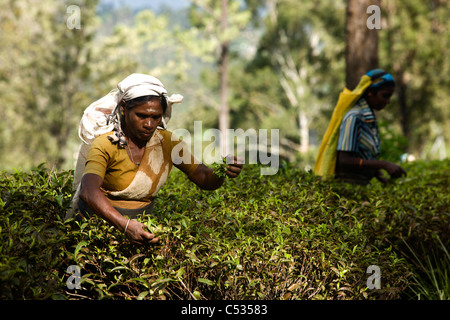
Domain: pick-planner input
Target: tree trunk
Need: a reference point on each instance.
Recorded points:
(304, 131)
(361, 42)
(223, 72)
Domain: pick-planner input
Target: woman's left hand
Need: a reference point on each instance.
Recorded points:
(234, 168)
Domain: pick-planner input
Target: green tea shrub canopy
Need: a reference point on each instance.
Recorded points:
(286, 236)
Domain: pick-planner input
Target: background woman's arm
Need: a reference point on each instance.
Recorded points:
(347, 161)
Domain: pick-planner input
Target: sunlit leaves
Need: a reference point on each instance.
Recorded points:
(287, 236)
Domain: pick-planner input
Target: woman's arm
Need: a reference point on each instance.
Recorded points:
(206, 179)
(91, 194)
(347, 161)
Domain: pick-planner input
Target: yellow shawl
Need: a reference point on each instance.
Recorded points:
(326, 158)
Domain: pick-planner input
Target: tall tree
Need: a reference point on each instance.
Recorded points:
(300, 44)
(361, 39)
(145, 44)
(415, 46)
(224, 113)
(55, 70)
(216, 24)
(46, 75)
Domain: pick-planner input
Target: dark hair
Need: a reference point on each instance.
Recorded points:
(140, 100)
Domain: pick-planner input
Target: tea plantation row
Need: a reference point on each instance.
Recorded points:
(287, 236)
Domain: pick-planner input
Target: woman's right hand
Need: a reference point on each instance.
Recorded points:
(395, 171)
(96, 200)
(136, 233)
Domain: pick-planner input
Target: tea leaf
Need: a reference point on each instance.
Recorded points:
(219, 168)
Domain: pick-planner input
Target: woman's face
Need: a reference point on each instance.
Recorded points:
(381, 98)
(141, 121)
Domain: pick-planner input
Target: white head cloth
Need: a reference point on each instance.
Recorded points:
(102, 116)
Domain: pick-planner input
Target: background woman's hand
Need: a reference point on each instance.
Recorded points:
(137, 234)
(395, 171)
(381, 177)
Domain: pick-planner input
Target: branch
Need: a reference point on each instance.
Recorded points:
(206, 8)
(186, 288)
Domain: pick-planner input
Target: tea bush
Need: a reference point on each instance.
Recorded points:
(286, 236)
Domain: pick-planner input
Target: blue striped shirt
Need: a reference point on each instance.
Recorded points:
(359, 132)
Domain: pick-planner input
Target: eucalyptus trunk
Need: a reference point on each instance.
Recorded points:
(361, 42)
(224, 121)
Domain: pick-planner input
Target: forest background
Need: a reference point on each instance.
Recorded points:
(274, 64)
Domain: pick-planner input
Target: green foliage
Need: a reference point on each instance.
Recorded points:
(432, 280)
(413, 46)
(32, 233)
(220, 168)
(393, 145)
(46, 80)
(286, 236)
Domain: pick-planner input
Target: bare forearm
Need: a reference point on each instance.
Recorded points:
(96, 200)
(351, 162)
(205, 178)
(98, 203)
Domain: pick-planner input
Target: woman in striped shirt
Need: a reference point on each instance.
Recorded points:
(359, 143)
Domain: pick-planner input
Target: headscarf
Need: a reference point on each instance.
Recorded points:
(103, 115)
(326, 159)
(379, 78)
